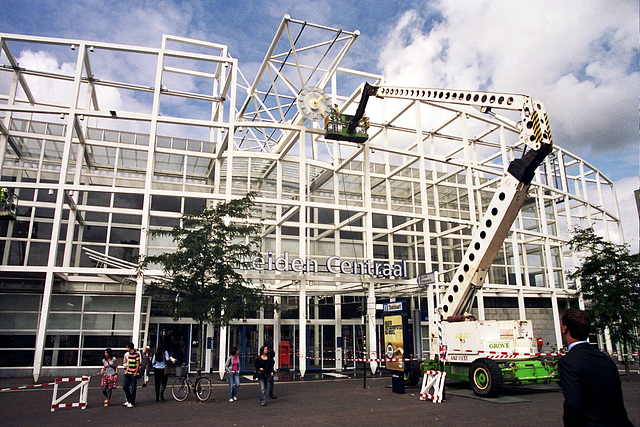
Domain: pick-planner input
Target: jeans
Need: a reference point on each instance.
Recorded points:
(234, 383)
(263, 389)
(129, 387)
(271, 386)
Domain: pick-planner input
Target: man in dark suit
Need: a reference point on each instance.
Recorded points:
(589, 378)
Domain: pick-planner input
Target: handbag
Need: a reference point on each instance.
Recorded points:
(167, 368)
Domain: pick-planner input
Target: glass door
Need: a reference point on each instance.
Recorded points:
(245, 338)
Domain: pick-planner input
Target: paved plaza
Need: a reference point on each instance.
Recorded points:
(318, 400)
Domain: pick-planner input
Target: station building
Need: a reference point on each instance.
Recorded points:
(101, 143)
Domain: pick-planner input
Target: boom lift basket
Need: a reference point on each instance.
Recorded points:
(8, 204)
(337, 127)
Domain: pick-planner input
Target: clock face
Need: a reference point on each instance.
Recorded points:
(313, 104)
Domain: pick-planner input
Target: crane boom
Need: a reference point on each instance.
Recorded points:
(512, 190)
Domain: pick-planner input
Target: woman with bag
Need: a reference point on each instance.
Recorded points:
(109, 375)
(160, 364)
(232, 368)
(262, 365)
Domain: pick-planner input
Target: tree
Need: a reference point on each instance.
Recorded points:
(202, 276)
(610, 280)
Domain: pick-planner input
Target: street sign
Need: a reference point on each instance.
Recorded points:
(392, 306)
(427, 279)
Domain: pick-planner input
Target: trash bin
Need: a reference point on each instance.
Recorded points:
(397, 382)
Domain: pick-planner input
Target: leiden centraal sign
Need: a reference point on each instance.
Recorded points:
(333, 265)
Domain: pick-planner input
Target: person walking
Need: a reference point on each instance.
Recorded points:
(160, 363)
(262, 364)
(271, 373)
(145, 362)
(132, 368)
(109, 374)
(589, 378)
(232, 368)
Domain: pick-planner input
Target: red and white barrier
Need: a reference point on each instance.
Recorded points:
(432, 386)
(83, 388)
(25, 386)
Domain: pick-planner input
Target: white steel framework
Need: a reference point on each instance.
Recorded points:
(114, 140)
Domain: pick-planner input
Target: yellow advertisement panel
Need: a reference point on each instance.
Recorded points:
(394, 341)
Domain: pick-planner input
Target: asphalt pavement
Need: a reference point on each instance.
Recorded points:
(317, 400)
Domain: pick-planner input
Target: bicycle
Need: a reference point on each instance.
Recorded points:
(201, 386)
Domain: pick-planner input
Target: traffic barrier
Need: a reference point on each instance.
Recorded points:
(433, 386)
(83, 388)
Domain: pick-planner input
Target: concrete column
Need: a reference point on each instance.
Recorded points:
(223, 351)
(276, 333)
(302, 327)
(372, 338)
(556, 319)
(338, 319)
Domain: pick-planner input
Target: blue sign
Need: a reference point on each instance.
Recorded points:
(392, 306)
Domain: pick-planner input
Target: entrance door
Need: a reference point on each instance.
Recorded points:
(245, 338)
(176, 339)
(321, 349)
(353, 345)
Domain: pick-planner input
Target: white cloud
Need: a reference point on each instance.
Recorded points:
(580, 57)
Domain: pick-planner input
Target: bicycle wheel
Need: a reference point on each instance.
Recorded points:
(180, 390)
(203, 388)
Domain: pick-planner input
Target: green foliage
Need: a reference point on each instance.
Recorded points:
(201, 276)
(610, 281)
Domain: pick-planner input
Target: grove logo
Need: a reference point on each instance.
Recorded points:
(499, 345)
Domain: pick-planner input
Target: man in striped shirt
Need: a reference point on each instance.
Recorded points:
(132, 367)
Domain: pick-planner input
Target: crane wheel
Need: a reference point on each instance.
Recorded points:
(413, 375)
(485, 377)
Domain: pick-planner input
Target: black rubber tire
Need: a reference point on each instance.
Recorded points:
(485, 377)
(180, 390)
(414, 374)
(203, 389)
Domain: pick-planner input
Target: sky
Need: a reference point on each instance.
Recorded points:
(579, 56)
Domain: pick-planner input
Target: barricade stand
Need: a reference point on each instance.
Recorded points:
(83, 387)
(432, 380)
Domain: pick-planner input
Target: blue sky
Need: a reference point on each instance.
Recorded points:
(579, 56)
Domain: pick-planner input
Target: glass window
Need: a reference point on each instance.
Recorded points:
(124, 235)
(65, 303)
(55, 341)
(130, 201)
(98, 322)
(61, 357)
(104, 341)
(12, 302)
(22, 321)
(94, 233)
(165, 203)
(64, 321)
(38, 253)
(17, 341)
(109, 304)
(16, 358)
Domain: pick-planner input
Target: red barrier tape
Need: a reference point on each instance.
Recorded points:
(492, 355)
